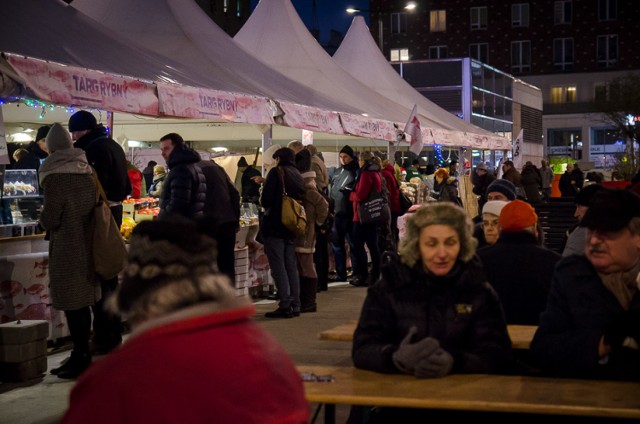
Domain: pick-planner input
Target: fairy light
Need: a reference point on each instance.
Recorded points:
(439, 158)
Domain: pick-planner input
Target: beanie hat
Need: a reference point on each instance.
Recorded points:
(494, 207)
(348, 150)
(267, 155)
(42, 132)
(58, 138)
(611, 210)
(505, 187)
(242, 163)
(82, 120)
(163, 252)
(585, 196)
(517, 215)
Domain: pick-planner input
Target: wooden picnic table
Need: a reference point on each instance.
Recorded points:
(474, 392)
(521, 335)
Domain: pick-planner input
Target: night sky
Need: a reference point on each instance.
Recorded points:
(331, 14)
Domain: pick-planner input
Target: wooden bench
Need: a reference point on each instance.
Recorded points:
(474, 392)
(521, 335)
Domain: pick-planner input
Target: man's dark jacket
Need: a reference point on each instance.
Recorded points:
(579, 311)
(342, 184)
(222, 203)
(108, 159)
(520, 271)
(185, 189)
(271, 224)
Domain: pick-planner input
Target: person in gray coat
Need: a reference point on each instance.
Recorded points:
(69, 200)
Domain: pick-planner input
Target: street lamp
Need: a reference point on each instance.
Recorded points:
(352, 10)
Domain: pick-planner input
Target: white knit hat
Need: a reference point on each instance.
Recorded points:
(494, 207)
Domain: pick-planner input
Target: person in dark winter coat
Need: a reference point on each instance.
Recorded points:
(368, 180)
(448, 187)
(577, 235)
(518, 269)
(567, 184)
(532, 182)
(432, 313)
(147, 173)
(108, 160)
(591, 327)
(342, 184)
(222, 214)
(184, 191)
(70, 196)
(481, 178)
(279, 242)
(37, 151)
(250, 188)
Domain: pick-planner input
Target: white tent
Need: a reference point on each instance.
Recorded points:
(360, 56)
(293, 51)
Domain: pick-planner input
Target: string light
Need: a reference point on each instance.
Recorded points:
(439, 158)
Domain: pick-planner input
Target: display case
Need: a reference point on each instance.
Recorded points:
(20, 203)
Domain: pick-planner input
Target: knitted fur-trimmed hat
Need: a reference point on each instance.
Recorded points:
(505, 187)
(162, 252)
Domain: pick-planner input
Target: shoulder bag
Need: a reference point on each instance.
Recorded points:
(374, 209)
(109, 250)
(294, 217)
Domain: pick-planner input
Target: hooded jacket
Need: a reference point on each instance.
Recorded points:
(109, 161)
(185, 189)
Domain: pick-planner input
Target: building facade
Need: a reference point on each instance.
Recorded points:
(570, 49)
(229, 15)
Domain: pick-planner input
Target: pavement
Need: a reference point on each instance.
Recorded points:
(44, 400)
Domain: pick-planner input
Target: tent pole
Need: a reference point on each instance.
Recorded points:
(267, 141)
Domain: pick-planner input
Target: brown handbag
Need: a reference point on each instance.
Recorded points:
(109, 250)
(294, 217)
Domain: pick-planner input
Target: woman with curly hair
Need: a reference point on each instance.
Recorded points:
(432, 312)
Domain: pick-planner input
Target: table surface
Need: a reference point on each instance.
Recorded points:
(521, 335)
(476, 392)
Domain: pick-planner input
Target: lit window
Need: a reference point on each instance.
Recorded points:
(520, 56)
(399, 55)
(225, 6)
(238, 14)
(607, 10)
(437, 52)
(520, 15)
(563, 53)
(438, 20)
(607, 51)
(563, 95)
(479, 52)
(479, 17)
(562, 11)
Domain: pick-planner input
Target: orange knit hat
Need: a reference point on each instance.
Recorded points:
(517, 215)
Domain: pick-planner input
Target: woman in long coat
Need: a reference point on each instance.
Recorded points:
(69, 199)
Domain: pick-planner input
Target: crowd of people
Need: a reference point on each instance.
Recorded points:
(438, 302)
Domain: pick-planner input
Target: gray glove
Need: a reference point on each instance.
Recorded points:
(438, 364)
(410, 354)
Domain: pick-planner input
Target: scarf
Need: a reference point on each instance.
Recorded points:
(66, 161)
(623, 285)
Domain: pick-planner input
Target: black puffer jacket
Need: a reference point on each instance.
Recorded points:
(109, 161)
(460, 310)
(222, 204)
(271, 199)
(185, 189)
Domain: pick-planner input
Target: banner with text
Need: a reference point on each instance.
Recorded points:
(202, 103)
(69, 85)
(362, 126)
(310, 118)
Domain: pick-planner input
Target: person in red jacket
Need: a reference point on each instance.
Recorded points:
(138, 184)
(194, 354)
(388, 173)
